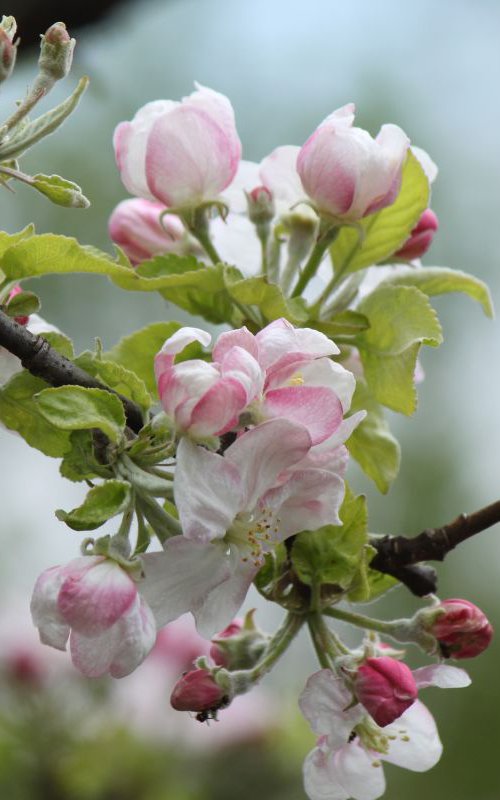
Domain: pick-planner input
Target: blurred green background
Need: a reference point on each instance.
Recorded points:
(434, 69)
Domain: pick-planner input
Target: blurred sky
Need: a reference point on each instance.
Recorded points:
(431, 67)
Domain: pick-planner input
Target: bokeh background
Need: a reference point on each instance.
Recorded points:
(434, 69)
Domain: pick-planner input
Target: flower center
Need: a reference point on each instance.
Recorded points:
(254, 533)
(296, 380)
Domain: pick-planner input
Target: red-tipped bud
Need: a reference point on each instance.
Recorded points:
(220, 654)
(386, 688)
(197, 691)
(8, 52)
(22, 320)
(463, 631)
(260, 205)
(421, 237)
(56, 52)
(25, 668)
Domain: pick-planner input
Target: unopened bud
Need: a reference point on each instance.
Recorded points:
(421, 237)
(240, 645)
(22, 320)
(461, 628)
(56, 52)
(197, 691)
(386, 688)
(260, 205)
(8, 52)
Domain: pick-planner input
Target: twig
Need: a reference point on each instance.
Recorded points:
(43, 361)
(396, 554)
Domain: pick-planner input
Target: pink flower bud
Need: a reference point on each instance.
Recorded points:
(135, 226)
(13, 293)
(56, 52)
(386, 688)
(346, 173)
(261, 208)
(197, 691)
(463, 631)
(182, 154)
(421, 237)
(218, 654)
(8, 52)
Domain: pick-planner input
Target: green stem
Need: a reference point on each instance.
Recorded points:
(40, 88)
(327, 235)
(277, 646)
(399, 629)
(263, 234)
(273, 257)
(197, 223)
(164, 524)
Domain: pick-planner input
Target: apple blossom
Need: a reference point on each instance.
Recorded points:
(182, 154)
(461, 628)
(346, 762)
(233, 509)
(347, 174)
(95, 603)
(135, 226)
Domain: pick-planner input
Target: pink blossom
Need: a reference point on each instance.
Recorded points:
(346, 762)
(205, 399)
(196, 691)
(420, 238)
(386, 688)
(182, 154)
(347, 174)
(463, 630)
(233, 509)
(135, 226)
(95, 603)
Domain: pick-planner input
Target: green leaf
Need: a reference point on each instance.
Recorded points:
(347, 323)
(20, 412)
(60, 191)
(401, 320)
(331, 555)
(47, 123)
(22, 305)
(60, 342)
(371, 443)
(116, 376)
(9, 239)
(267, 297)
(101, 503)
(384, 232)
(74, 408)
(137, 351)
(49, 253)
(369, 584)
(441, 280)
(80, 463)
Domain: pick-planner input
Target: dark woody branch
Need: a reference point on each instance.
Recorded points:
(43, 361)
(397, 555)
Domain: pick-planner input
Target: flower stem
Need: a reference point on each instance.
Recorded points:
(399, 629)
(197, 224)
(327, 235)
(327, 644)
(164, 524)
(277, 646)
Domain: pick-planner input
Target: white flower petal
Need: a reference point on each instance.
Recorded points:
(323, 702)
(442, 676)
(417, 745)
(318, 781)
(358, 771)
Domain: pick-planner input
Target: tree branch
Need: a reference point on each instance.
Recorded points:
(43, 361)
(400, 553)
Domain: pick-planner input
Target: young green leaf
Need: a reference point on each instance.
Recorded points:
(372, 444)
(101, 503)
(79, 462)
(60, 191)
(267, 297)
(368, 584)
(381, 234)
(22, 305)
(74, 408)
(331, 555)
(441, 280)
(401, 320)
(137, 351)
(117, 377)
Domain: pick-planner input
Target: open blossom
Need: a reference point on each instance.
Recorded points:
(95, 603)
(233, 509)
(282, 371)
(135, 226)
(182, 154)
(347, 760)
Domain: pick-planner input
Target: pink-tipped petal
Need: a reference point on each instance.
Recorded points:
(316, 407)
(52, 627)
